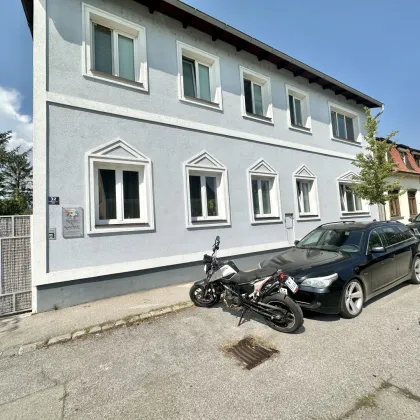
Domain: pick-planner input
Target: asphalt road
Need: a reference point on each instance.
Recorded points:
(175, 368)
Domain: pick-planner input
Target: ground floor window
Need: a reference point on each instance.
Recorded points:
(412, 203)
(349, 201)
(394, 206)
(203, 196)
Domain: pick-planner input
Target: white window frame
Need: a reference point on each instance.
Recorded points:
(305, 109)
(265, 83)
(203, 164)
(347, 113)
(92, 15)
(347, 179)
(304, 174)
(209, 60)
(261, 170)
(106, 157)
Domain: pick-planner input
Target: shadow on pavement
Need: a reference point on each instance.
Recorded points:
(387, 293)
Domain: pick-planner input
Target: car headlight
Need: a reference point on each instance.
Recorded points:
(320, 282)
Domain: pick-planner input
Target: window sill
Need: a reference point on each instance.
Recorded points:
(349, 142)
(201, 102)
(355, 214)
(207, 224)
(259, 118)
(116, 80)
(303, 218)
(306, 130)
(106, 229)
(266, 220)
(397, 217)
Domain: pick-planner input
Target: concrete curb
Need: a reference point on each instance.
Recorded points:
(95, 329)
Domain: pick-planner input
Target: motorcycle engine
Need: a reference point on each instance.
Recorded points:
(231, 300)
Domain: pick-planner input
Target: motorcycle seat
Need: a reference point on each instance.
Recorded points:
(243, 277)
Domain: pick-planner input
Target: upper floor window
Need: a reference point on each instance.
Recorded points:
(394, 206)
(256, 95)
(417, 160)
(344, 123)
(114, 49)
(199, 76)
(298, 109)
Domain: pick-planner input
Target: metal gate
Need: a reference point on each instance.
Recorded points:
(15, 258)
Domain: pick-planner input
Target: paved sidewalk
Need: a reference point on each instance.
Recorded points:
(39, 328)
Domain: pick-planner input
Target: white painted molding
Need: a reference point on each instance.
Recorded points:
(356, 123)
(102, 107)
(126, 267)
(39, 224)
(347, 178)
(306, 108)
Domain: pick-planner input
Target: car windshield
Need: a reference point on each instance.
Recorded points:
(333, 240)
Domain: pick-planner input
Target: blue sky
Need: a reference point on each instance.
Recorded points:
(372, 45)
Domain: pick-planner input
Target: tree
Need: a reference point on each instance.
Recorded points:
(15, 178)
(373, 181)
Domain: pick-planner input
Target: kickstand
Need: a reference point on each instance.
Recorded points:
(244, 311)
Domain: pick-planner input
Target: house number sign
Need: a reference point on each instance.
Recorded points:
(73, 222)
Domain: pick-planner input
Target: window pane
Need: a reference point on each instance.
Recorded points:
(298, 108)
(349, 199)
(188, 71)
(204, 80)
(292, 110)
(248, 96)
(102, 49)
(350, 129)
(126, 57)
(195, 196)
(374, 240)
(334, 123)
(342, 197)
(107, 195)
(265, 189)
(341, 126)
(255, 197)
(306, 203)
(211, 190)
(358, 202)
(258, 104)
(131, 195)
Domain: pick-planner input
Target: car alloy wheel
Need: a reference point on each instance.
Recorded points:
(417, 269)
(354, 297)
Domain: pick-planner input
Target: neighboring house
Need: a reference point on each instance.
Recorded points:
(407, 171)
(163, 127)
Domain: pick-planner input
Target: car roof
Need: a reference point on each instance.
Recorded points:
(362, 225)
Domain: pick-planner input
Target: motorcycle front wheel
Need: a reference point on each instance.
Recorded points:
(203, 296)
(289, 312)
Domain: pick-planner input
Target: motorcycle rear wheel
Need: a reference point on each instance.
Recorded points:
(291, 311)
(202, 297)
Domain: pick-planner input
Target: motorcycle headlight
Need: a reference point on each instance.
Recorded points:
(320, 282)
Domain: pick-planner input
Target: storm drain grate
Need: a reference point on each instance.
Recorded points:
(250, 353)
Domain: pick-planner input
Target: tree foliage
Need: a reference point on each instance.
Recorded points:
(373, 181)
(15, 179)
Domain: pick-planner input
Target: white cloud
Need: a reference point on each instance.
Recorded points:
(11, 119)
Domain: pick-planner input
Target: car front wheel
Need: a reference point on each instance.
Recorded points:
(352, 299)
(415, 274)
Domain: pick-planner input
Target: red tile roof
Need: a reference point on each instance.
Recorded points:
(400, 165)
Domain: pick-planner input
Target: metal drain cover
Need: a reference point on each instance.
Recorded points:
(250, 353)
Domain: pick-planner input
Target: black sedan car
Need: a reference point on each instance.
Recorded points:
(414, 224)
(339, 266)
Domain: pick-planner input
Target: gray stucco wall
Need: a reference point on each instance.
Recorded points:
(72, 132)
(62, 295)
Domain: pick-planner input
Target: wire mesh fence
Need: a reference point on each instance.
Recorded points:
(15, 258)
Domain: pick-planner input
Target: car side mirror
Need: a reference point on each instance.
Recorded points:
(296, 242)
(411, 219)
(377, 249)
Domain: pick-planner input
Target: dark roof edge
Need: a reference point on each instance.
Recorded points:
(403, 146)
(190, 16)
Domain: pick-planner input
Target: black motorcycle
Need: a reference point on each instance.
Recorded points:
(266, 291)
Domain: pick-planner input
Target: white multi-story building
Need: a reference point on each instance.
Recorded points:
(158, 127)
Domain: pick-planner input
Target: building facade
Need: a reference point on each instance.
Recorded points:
(407, 172)
(157, 128)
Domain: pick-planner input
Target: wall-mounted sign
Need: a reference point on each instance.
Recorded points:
(55, 201)
(72, 222)
(52, 233)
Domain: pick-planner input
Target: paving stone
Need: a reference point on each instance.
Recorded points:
(120, 323)
(78, 334)
(13, 351)
(183, 305)
(145, 316)
(59, 339)
(162, 311)
(27, 348)
(134, 319)
(107, 326)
